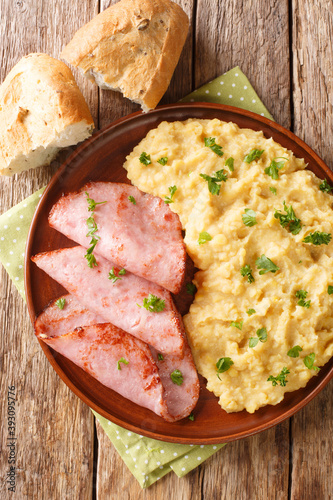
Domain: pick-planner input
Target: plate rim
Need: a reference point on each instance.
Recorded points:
(78, 150)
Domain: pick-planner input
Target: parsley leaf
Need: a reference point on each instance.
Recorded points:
(132, 200)
(249, 218)
(172, 190)
(191, 416)
(309, 360)
(236, 324)
(266, 265)
(163, 161)
(61, 303)
(145, 159)
(281, 378)
(294, 351)
(261, 335)
(250, 312)
(253, 155)
(160, 357)
(247, 271)
(89, 254)
(301, 295)
(113, 277)
(121, 360)
(330, 289)
(213, 185)
(92, 203)
(191, 288)
(289, 219)
(274, 167)
(153, 303)
(230, 163)
(273, 190)
(204, 237)
(325, 187)
(223, 365)
(92, 226)
(318, 238)
(177, 377)
(210, 143)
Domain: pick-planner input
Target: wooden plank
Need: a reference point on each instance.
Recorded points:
(112, 473)
(254, 36)
(312, 428)
(54, 429)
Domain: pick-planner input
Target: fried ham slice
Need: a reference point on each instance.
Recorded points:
(120, 303)
(137, 231)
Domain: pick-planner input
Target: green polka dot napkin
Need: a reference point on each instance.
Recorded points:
(147, 459)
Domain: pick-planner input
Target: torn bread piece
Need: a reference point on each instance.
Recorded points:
(41, 111)
(132, 47)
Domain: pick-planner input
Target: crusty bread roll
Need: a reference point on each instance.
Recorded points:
(41, 111)
(132, 47)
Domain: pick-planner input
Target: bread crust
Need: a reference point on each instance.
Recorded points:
(39, 99)
(133, 46)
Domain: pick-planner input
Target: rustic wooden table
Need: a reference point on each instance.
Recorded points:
(285, 49)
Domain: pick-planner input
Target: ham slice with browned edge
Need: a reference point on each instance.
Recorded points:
(117, 360)
(120, 303)
(143, 235)
(55, 323)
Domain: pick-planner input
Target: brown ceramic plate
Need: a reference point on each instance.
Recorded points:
(100, 158)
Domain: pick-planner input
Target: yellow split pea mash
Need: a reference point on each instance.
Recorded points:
(254, 319)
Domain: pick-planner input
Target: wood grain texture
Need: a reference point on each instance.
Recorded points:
(312, 428)
(252, 35)
(54, 429)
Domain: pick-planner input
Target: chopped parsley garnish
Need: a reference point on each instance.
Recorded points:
(92, 203)
(253, 155)
(153, 303)
(230, 163)
(273, 190)
(160, 357)
(318, 238)
(163, 161)
(280, 379)
(250, 312)
(223, 365)
(289, 220)
(309, 360)
(204, 237)
(294, 351)
(301, 295)
(249, 218)
(113, 277)
(246, 271)
(61, 303)
(237, 324)
(266, 265)
(121, 360)
(330, 289)
(210, 143)
(274, 167)
(92, 226)
(177, 377)
(89, 255)
(172, 190)
(145, 159)
(261, 335)
(325, 187)
(191, 288)
(132, 200)
(213, 186)
(191, 416)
